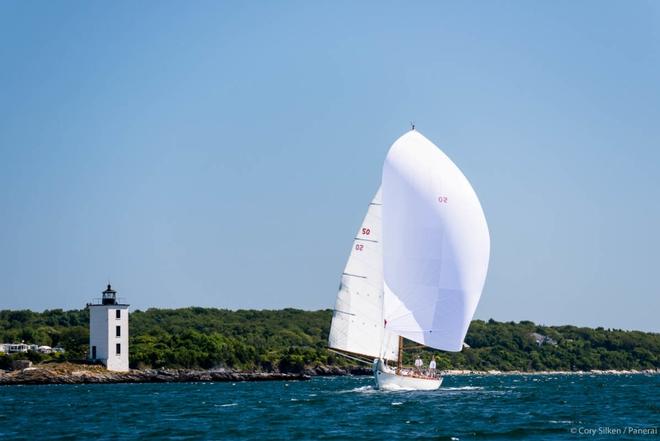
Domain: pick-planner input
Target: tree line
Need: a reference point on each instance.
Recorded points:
(291, 340)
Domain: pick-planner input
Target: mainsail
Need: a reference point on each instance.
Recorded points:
(436, 245)
(357, 323)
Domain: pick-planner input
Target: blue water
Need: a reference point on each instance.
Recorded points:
(466, 407)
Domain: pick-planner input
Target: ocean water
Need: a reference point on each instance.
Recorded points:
(539, 407)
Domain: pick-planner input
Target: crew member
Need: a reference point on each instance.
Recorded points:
(418, 365)
(432, 367)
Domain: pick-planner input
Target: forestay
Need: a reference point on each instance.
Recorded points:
(357, 323)
(436, 245)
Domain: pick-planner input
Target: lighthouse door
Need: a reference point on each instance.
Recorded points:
(93, 352)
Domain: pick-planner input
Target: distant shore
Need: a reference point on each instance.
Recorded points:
(296, 341)
(69, 373)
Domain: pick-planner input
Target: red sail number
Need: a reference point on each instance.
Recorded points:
(359, 247)
(366, 231)
(442, 199)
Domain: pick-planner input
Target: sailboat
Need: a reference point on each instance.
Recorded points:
(417, 266)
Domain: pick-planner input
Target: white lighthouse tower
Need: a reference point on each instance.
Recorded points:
(108, 331)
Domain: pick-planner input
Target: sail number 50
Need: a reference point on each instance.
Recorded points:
(366, 231)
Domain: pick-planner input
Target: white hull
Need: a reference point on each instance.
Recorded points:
(387, 379)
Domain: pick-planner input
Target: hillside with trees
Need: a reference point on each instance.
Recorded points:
(290, 340)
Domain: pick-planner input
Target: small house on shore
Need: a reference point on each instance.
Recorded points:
(17, 348)
(541, 339)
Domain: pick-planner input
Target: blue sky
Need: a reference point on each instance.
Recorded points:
(223, 154)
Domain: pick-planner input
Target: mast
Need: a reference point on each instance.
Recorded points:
(399, 360)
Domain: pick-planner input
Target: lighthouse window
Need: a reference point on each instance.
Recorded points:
(118, 348)
(118, 331)
(118, 313)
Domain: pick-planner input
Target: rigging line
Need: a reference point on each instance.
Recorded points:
(414, 331)
(406, 313)
(366, 240)
(354, 275)
(365, 320)
(393, 318)
(351, 357)
(418, 305)
(416, 347)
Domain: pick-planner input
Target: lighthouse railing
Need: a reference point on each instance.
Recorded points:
(99, 301)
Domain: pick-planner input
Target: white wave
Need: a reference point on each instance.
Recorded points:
(396, 388)
(361, 389)
(227, 405)
(463, 388)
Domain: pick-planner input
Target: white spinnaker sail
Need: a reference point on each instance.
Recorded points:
(357, 323)
(436, 245)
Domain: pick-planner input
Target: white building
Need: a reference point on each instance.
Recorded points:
(542, 339)
(108, 331)
(13, 348)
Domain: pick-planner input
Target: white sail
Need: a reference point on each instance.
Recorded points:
(436, 245)
(357, 323)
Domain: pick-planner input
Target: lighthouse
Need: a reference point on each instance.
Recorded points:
(108, 331)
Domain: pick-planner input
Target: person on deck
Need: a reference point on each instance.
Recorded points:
(418, 365)
(432, 367)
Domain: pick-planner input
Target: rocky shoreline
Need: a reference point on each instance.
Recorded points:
(69, 373)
